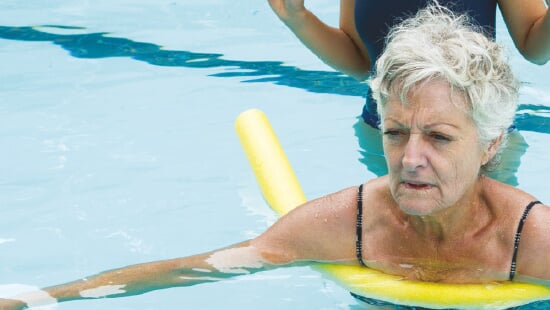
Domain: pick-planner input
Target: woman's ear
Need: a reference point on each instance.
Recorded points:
(492, 150)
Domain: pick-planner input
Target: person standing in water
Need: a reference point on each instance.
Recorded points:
(358, 42)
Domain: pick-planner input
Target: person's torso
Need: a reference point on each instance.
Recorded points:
(374, 18)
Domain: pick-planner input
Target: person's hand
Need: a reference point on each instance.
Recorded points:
(10, 304)
(286, 9)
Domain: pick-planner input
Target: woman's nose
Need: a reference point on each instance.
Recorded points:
(414, 155)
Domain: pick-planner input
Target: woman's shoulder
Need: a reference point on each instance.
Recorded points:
(525, 218)
(533, 259)
(378, 190)
(504, 195)
(378, 185)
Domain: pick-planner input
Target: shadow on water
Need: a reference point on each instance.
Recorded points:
(98, 45)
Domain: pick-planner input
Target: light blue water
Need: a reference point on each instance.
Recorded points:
(117, 141)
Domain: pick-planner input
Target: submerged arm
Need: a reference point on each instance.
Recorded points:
(319, 230)
(340, 48)
(141, 278)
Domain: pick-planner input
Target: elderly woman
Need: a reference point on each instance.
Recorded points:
(446, 98)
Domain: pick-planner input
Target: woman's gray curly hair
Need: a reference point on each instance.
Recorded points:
(436, 44)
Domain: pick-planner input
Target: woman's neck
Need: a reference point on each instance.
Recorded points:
(456, 221)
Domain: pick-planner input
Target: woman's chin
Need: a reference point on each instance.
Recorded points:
(419, 208)
(416, 211)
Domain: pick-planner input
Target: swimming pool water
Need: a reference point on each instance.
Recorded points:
(118, 144)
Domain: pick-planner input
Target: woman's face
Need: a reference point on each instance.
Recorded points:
(432, 149)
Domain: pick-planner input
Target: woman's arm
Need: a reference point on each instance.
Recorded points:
(340, 48)
(320, 230)
(528, 22)
(137, 279)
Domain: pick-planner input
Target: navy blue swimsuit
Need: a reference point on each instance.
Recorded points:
(374, 18)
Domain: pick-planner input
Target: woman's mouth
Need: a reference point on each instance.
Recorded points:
(417, 185)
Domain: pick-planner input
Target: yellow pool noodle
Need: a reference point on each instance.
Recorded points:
(283, 192)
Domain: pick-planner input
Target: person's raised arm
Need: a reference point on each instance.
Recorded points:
(528, 22)
(340, 48)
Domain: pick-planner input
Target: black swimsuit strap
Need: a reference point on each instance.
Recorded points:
(518, 237)
(359, 227)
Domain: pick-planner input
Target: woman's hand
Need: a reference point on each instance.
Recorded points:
(9, 304)
(287, 9)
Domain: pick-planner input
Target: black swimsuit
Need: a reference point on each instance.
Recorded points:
(359, 244)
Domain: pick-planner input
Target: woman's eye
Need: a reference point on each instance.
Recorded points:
(392, 132)
(440, 137)
(395, 135)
